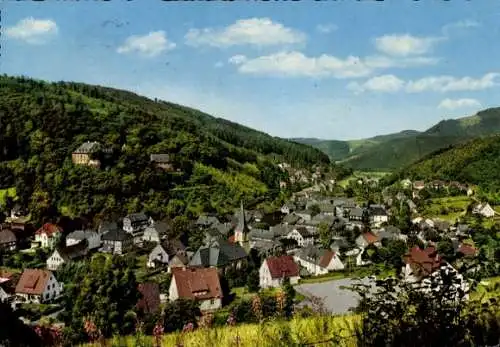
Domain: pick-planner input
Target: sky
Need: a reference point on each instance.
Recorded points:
(329, 69)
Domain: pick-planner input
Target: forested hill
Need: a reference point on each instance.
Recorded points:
(393, 151)
(220, 162)
(474, 162)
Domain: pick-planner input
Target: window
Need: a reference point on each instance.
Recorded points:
(212, 301)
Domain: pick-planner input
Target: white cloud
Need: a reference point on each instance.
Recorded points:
(384, 83)
(296, 64)
(451, 84)
(463, 24)
(31, 30)
(442, 84)
(384, 62)
(405, 44)
(453, 104)
(326, 28)
(252, 31)
(237, 59)
(148, 45)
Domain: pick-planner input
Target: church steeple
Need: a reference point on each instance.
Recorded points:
(241, 231)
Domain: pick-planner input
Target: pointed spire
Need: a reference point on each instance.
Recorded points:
(242, 223)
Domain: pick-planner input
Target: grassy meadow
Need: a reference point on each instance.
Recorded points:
(322, 330)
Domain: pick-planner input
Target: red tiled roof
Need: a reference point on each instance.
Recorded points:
(150, 300)
(467, 250)
(370, 238)
(33, 281)
(423, 261)
(49, 229)
(283, 266)
(326, 258)
(197, 283)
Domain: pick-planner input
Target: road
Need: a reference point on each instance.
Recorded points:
(337, 299)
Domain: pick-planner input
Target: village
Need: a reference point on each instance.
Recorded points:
(316, 242)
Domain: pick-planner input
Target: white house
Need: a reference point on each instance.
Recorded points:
(158, 257)
(200, 284)
(37, 286)
(318, 261)
(274, 270)
(287, 208)
(155, 232)
(302, 236)
(484, 210)
(378, 214)
(135, 224)
(64, 255)
(93, 238)
(366, 239)
(48, 235)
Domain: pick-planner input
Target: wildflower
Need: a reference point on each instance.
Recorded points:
(231, 320)
(257, 307)
(188, 327)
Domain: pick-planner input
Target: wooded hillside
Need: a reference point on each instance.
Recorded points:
(216, 162)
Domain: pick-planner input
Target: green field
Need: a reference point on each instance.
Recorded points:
(363, 174)
(448, 209)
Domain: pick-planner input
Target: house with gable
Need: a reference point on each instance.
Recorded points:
(163, 253)
(37, 286)
(220, 254)
(288, 208)
(48, 235)
(155, 232)
(301, 235)
(116, 241)
(93, 238)
(8, 239)
(274, 270)
(200, 284)
(366, 239)
(378, 214)
(8, 281)
(484, 209)
(135, 224)
(64, 255)
(162, 160)
(85, 154)
(318, 261)
(420, 263)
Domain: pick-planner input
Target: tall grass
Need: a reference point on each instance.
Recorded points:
(321, 330)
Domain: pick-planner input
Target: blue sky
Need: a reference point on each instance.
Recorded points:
(333, 69)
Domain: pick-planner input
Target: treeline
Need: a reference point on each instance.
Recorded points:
(475, 162)
(216, 162)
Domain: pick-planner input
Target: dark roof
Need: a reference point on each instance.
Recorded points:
(160, 158)
(303, 232)
(172, 247)
(356, 212)
(218, 253)
(205, 220)
(282, 267)
(280, 230)
(106, 226)
(77, 250)
(150, 297)
(197, 283)
(256, 234)
(291, 218)
(313, 254)
(377, 210)
(137, 217)
(116, 235)
(88, 147)
(80, 234)
(7, 236)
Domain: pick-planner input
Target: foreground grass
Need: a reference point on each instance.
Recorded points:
(322, 330)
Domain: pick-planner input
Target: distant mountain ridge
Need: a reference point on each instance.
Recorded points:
(393, 151)
(474, 162)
